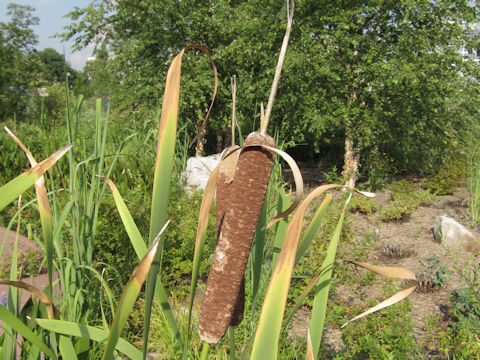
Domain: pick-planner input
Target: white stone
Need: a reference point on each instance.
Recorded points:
(198, 170)
(454, 235)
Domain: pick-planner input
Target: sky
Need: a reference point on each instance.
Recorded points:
(51, 14)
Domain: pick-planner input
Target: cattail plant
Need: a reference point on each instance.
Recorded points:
(236, 228)
(236, 233)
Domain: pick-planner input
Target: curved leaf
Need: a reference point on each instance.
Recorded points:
(15, 187)
(89, 332)
(21, 328)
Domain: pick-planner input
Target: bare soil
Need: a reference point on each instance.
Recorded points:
(416, 233)
(25, 246)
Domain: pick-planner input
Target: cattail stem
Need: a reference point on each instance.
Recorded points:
(205, 350)
(231, 337)
(278, 70)
(233, 82)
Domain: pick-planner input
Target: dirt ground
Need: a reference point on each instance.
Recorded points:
(416, 234)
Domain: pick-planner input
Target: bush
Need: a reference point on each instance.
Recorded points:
(447, 178)
(363, 205)
(405, 199)
(396, 213)
(460, 340)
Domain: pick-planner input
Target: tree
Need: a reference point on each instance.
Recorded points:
(386, 68)
(377, 74)
(99, 72)
(18, 59)
(54, 66)
(238, 43)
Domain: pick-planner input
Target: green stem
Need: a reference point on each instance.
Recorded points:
(205, 350)
(231, 337)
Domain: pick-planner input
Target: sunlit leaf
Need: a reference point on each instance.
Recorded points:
(129, 296)
(15, 187)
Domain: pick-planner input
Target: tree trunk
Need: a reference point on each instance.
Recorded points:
(351, 162)
(201, 140)
(351, 159)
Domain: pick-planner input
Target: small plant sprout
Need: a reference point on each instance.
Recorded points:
(432, 274)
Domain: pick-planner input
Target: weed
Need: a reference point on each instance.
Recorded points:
(469, 274)
(432, 274)
(332, 176)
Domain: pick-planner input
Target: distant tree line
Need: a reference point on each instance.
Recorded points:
(27, 74)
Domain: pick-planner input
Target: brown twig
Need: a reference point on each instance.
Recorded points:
(233, 83)
(278, 70)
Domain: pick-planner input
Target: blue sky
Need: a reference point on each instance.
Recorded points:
(51, 14)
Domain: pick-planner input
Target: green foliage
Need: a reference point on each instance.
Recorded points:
(29, 264)
(379, 168)
(112, 244)
(460, 339)
(312, 261)
(382, 335)
(363, 205)
(54, 67)
(473, 163)
(405, 198)
(19, 63)
(396, 213)
(180, 240)
(389, 73)
(432, 274)
(332, 176)
(447, 177)
(47, 109)
(100, 73)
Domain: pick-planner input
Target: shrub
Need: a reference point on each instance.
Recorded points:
(363, 205)
(447, 178)
(396, 213)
